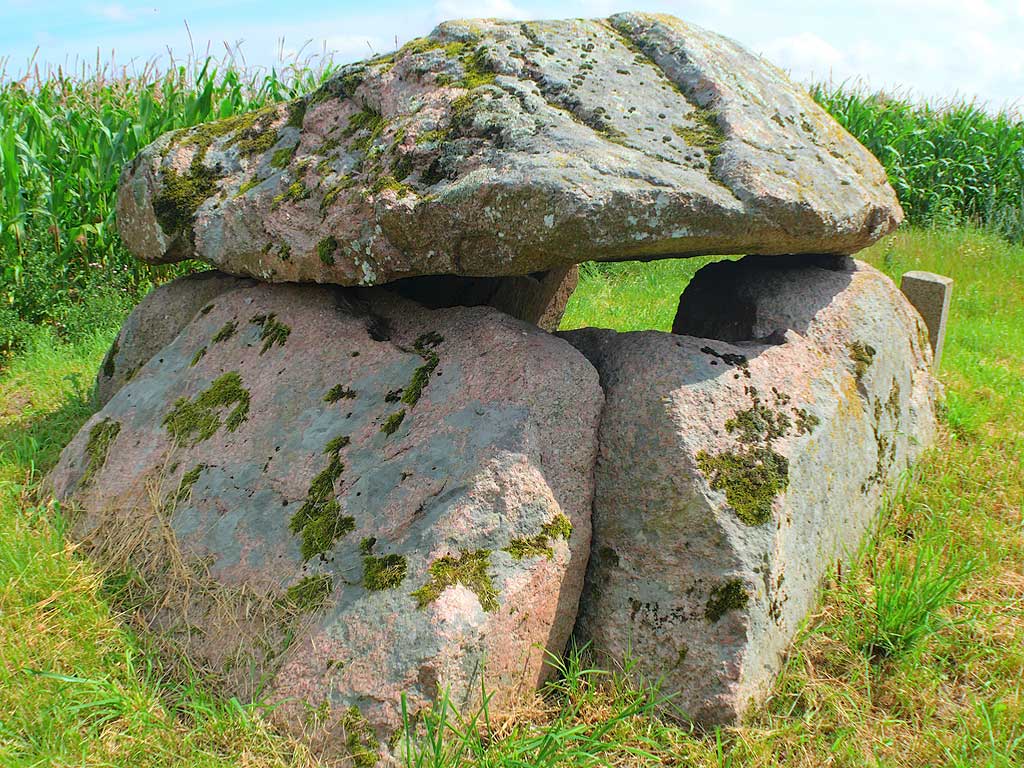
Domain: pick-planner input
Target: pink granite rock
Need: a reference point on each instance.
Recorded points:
(496, 148)
(733, 475)
(376, 498)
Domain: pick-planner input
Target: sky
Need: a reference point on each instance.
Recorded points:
(927, 49)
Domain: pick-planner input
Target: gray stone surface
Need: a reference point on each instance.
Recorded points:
(930, 294)
(497, 148)
(353, 498)
(154, 322)
(732, 475)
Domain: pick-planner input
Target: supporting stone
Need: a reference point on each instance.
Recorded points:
(732, 475)
(930, 294)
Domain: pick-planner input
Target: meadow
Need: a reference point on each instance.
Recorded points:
(915, 656)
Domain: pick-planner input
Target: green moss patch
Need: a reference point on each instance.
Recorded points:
(755, 473)
(272, 331)
(392, 423)
(360, 741)
(101, 436)
(310, 594)
(366, 126)
(191, 421)
(326, 249)
(199, 355)
(108, 361)
(226, 332)
(187, 481)
(339, 392)
(384, 572)
(729, 596)
(319, 520)
(540, 545)
(424, 346)
(282, 157)
(470, 570)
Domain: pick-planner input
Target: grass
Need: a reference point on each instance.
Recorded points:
(915, 656)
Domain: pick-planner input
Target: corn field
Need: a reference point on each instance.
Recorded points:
(64, 139)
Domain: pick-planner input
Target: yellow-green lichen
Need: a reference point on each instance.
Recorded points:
(338, 392)
(728, 596)
(319, 521)
(295, 192)
(432, 137)
(101, 436)
(539, 545)
(703, 133)
(272, 330)
(283, 156)
(383, 572)
(470, 570)
(862, 355)
(326, 249)
(367, 126)
(387, 181)
(310, 594)
(189, 422)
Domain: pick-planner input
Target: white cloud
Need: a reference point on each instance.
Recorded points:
(807, 56)
(114, 12)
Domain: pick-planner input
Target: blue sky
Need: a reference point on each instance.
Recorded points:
(933, 48)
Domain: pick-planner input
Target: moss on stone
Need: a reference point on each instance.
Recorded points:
(469, 570)
(226, 332)
(388, 181)
(754, 473)
(703, 133)
(296, 114)
(246, 186)
(728, 596)
(310, 594)
(101, 436)
(296, 192)
(319, 521)
(108, 361)
(187, 481)
(367, 125)
(751, 479)
(282, 157)
(367, 544)
(805, 421)
(199, 355)
(862, 355)
(392, 423)
(384, 572)
(539, 545)
(189, 422)
(360, 741)
(180, 196)
(272, 331)
(326, 249)
(339, 392)
(432, 137)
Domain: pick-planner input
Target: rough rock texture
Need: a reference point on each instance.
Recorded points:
(732, 476)
(496, 148)
(357, 499)
(540, 298)
(154, 322)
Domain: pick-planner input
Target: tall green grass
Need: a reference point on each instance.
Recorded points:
(63, 142)
(950, 164)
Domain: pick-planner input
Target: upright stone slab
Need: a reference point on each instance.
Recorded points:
(494, 148)
(733, 475)
(349, 499)
(930, 294)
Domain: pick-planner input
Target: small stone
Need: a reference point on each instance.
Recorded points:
(930, 294)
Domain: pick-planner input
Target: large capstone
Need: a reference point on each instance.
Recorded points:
(495, 148)
(733, 475)
(348, 497)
